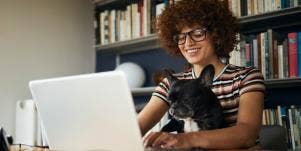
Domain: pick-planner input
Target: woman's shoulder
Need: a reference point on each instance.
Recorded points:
(241, 69)
(240, 72)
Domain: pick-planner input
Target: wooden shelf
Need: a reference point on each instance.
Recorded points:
(270, 83)
(129, 46)
(283, 83)
(102, 2)
(142, 91)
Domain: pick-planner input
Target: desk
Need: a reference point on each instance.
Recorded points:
(26, 148)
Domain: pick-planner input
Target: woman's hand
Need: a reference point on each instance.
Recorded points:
(167, 140)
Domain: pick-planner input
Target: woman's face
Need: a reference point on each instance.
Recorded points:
(196, 46)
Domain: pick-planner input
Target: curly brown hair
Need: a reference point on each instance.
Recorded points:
(214, 15)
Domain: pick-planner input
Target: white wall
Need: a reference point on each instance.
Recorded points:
(41, 39)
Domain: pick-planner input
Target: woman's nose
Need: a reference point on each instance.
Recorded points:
(189, 41)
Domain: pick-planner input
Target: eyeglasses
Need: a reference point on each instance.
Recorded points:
(196, 35)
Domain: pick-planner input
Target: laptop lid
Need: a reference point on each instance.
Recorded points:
(88, 112)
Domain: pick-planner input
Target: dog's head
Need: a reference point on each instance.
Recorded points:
(190, 96)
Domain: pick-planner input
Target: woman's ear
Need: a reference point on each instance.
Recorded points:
(207, 75)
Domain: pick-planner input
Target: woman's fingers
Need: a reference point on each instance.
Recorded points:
(172, 143)
(161, 140)
(164, 140)
(150, 138)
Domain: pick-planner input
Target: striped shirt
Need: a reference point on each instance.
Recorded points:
(228, 86)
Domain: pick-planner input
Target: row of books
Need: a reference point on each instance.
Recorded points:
(276, 55)
(254, 7)
(130, 22)
(288, 117)
(134, 20)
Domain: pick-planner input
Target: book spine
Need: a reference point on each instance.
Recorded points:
(263, 62)
(248, 54)
(280, 62)
(270, 53)
(292, 50)
(285, 58)
(259, 50)
(292, 137)
(255, 53)
(299, 53)
(279, 115)
(244, 7)
(267, 56)
(296, 127)
(275, 60)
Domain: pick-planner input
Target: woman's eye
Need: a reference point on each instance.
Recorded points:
(181, 37)
(198, 33)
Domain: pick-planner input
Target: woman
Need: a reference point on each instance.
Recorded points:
(204, 32)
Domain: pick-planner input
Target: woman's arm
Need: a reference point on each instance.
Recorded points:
(242, 135)
(151, 114)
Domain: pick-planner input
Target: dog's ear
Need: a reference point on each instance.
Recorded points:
(207, 75)
(171, 79)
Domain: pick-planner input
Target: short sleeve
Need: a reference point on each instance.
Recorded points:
(161, 90)
(252, 81)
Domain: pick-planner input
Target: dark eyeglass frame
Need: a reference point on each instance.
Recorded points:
(202, 30)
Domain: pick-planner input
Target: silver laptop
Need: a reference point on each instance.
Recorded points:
(88, 112)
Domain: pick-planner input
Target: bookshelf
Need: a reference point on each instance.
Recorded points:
(249, 24)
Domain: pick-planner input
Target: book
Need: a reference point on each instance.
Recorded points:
(292, 136)
(270, 54)
(255, 7)
(296, 115)
(267, 57)
(243, 50)
(285, 59)
(299, 53)
(292, 51)
(263, 52)
(243, 7)
(260, 6)
(275, 60)
(248, 54)
(259, 51)
(128, 23)
(280, 62)
(255, 53)
(112, 27)
(280, 122)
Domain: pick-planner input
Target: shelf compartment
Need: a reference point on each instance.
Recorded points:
(274, 19)
(249, 24)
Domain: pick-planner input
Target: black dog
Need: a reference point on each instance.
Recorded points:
(194, 106)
